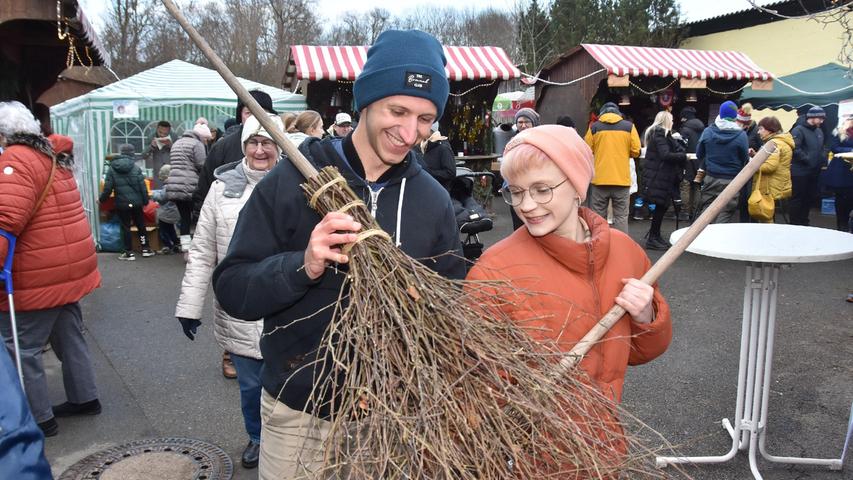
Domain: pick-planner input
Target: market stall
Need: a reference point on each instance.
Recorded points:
(128, 111)
(642, 81)
(325, 74)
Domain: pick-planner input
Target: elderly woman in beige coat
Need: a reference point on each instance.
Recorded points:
(234, 183)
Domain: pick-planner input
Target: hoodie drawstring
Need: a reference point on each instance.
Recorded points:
(400, 210)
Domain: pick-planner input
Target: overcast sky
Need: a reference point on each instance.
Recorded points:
(691, 9)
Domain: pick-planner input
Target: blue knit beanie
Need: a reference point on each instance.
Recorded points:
(728, 110)
(403, 62)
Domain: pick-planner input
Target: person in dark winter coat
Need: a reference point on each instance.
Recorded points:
(227, 150)
(131, 195)
(723, 150)
(277, 267)
(744, 119)
(839, 176)
(436, 157)
(809, 157)
(691, 129)
(187, 157)
(662, 170)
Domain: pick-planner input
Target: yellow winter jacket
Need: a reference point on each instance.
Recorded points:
(613, 141)
(776, 170)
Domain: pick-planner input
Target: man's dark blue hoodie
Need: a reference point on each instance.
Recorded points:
(262, 275)
(723, 151)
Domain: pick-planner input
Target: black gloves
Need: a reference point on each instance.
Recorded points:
(189, 325)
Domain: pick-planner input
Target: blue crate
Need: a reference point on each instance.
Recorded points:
(827, 206)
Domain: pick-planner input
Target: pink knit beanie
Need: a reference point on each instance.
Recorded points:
(565, 148)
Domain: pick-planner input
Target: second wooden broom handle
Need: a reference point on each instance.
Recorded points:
(654, 273)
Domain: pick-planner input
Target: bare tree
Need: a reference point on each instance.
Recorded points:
(359, 28)
(127, 28)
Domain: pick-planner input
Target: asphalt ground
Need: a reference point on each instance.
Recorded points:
(154, 382)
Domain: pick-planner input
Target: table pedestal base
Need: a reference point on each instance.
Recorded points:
(753, 387)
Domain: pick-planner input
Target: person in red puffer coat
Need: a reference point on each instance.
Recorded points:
(54, 263)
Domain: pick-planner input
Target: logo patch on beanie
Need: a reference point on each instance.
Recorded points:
(419, 81)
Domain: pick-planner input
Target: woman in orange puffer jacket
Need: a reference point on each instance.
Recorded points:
(567, 267)
(54, 263)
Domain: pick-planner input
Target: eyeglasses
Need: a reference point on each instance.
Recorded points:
(540, 193)
(265, 144)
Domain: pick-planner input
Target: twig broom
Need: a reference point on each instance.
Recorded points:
(428, 381)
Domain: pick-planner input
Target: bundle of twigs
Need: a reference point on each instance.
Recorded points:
(428, 380)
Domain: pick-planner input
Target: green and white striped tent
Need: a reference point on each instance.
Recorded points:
(176, 91)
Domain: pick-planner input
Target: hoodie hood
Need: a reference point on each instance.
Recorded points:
(610, 118)
(784, 137)
(726, 124)
(122, 164)
(725, 131)
(236, 175)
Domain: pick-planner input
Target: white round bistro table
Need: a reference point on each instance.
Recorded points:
(766, 247)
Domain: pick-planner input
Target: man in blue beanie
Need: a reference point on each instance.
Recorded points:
(276, 269)
(722, 152)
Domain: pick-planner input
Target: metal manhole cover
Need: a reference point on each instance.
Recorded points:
(157, 458)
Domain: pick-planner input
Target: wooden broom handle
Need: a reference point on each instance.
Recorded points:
(654, 273)
(293, 154)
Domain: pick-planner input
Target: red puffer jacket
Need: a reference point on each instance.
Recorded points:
(54, 262)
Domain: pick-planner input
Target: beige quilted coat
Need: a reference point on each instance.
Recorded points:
(216, 222)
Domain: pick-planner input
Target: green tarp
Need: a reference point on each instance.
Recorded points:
(176, 91)
(821, 86)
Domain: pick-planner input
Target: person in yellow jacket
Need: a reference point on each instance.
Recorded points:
(614, 141)
(776, 170)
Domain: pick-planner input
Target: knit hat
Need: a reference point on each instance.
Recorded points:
(529, 114)
(565, 148)
(252, 127)
(342, 118)
(203, 131)
(126, 149)
(403, 62)
(728, 110)
(609, 107)
(743, 116)
(263, 99)
(816, 112)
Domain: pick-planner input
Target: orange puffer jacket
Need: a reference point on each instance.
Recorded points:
(574, 285)
(54, 262)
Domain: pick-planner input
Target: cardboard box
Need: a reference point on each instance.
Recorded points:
(153, 238)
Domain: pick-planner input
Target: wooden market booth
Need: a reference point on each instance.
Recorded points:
(325, 75)
(38, 40)
(643, 81)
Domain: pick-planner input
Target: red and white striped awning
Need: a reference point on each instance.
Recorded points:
(676, 62)
(345, 63)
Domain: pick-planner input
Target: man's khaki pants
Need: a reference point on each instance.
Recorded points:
(292, 442)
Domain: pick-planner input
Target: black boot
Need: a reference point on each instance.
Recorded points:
(68, 409)
(655, 242)
(250, 455)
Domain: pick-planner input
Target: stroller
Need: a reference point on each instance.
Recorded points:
(471, 217)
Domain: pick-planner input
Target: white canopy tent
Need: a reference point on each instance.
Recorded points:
(127, 111)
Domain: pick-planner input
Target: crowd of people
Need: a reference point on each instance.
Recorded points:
(274, 262)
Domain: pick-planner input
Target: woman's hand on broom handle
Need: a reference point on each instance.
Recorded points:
(324, 247)
(636, 298)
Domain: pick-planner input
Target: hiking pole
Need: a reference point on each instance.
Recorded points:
(732, 189)
(6, 277)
